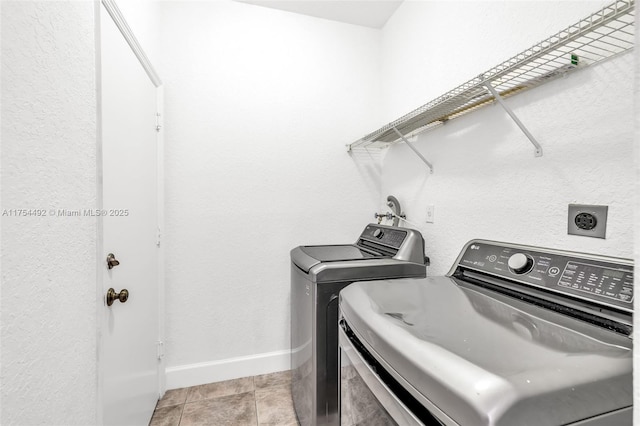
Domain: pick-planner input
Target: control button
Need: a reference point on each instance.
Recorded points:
(492, 258)
(378, 233)
(520, 263)
(554, 271)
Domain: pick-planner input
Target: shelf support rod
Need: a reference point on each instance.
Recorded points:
(414, 149)
(514, 117)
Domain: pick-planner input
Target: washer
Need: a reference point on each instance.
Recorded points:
(318, 273)
(513, 335)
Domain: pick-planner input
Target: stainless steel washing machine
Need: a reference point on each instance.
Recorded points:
(318, 273)
(513, 335)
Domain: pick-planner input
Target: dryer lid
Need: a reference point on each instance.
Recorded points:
(487, 360)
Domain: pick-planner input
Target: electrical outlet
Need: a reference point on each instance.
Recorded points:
(587, 220)
(430, 213)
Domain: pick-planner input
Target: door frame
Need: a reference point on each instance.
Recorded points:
(114, 12)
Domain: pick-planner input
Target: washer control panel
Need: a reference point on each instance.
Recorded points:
(601, 279)
(384, 235)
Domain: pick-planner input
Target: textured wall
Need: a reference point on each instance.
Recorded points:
(259, 106)
(48, 263)
(487, 182)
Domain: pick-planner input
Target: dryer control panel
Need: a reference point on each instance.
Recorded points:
(604, 280)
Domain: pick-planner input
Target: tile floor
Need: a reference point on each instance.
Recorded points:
(256, 401)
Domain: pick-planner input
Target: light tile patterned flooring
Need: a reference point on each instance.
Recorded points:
(256, 401)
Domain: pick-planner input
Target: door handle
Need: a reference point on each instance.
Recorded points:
(112, 261)
(112, 296)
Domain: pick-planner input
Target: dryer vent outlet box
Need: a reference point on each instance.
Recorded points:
(587, 220)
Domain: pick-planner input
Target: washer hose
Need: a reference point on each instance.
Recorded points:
(395, 207)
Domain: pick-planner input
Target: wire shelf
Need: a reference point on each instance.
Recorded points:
(604, 34)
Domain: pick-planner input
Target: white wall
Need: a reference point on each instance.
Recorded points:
(487, 182)
(48, 263)
(259, 106)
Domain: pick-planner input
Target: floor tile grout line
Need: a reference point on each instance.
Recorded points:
(182, 412)
(255, 401)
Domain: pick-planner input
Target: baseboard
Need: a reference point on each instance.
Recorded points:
(183, 376)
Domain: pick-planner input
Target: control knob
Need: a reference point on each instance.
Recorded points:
(520, 263)
(378, 233)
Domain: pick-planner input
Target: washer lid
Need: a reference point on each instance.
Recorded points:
(337, 252)
(349, 263)
(485, 359)
(306, 257)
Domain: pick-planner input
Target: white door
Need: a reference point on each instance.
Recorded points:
(130, 330)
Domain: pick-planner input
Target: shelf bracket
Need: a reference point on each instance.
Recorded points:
(414, 150)
(514, 117)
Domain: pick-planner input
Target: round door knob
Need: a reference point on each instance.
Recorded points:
(520, 263)
(112, 296)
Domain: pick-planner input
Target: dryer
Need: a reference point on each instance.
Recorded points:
(513, 335)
